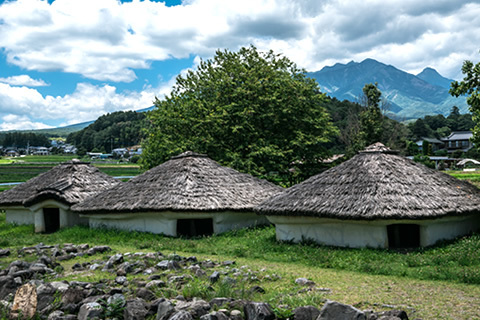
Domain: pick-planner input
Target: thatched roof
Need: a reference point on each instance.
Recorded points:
(69, 182)
(376, 184)
(188, 182)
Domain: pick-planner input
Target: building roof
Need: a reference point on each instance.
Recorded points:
(430, 140)
(69, 182)
(376, 184)
(459, 135)
(187, 182)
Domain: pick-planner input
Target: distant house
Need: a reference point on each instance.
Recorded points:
(39, 151)
(189, 195)
(435, 143)
(458, 140)
(376, 199)
(45, 200)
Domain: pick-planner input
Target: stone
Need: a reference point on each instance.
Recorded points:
(8, 285)
(98, 249)
(258, 311)
(197, 307)
(333, 310)
(304, 282)
(219, 302)
(25, 302)
(59, 286)
(135, 309)
(214, 316)
(257, 289)
(164, 310)
(4, 252)
(306, 313)
(181, 315)
(236, 315)
(90, 310)
(121, 280)
(168, 265)
(72, 296)
(214, 277)
(77, 267)
(45, 296)
(394, 313)
(155, 284)
(146, 294)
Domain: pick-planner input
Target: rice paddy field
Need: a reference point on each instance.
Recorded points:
(441, 282)
(25, 168)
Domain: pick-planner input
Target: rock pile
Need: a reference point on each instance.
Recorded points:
(145, 286)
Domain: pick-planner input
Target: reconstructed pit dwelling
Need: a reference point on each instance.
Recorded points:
(45, 200)
(188, 195)
(376, 199)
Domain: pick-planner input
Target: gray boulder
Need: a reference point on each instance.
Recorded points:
(181, 315)
(135, 309)
(90, 310)
(333, 310)
(258, 311)
(164, 310)
(306, 313)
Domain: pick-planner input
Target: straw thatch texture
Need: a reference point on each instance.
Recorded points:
(376, 184)
(188, 182)
(69, 182)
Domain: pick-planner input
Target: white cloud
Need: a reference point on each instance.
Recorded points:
(23, 80)
(108, 40)
(15, 122)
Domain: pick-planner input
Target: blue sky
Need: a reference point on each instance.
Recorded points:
(67, 61)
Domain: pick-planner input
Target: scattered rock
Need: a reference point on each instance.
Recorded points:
(333, 310)
(258, 311)
(306, 313)
(135, 309)
(25, 302)
(90, 310)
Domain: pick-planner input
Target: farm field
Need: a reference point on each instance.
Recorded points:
(434, 283)
(25, 168)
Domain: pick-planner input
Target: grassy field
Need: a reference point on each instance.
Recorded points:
(433, 283)
(25, 168)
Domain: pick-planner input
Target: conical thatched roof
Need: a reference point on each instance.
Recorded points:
(376, 184)
(188, 182)
(69, 182)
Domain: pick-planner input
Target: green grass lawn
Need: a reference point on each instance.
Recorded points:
(438, 283)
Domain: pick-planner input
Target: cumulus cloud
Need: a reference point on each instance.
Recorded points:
(108, 40)
(23, 80)
(14, 122)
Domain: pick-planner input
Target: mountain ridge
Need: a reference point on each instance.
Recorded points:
(409, 96)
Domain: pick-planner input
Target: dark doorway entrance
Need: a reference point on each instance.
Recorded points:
(51, 216)
(403, 236)
(194, 227)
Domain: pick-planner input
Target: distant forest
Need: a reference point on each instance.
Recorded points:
(123, 129)
(110, 131)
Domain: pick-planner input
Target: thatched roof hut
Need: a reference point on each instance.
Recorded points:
(70, 182)
(46, 199)
(186, 184)
(376, 185)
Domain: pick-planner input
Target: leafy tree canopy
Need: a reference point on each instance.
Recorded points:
(470, 85)
(253, 111)
(110, 131)
(24, 139)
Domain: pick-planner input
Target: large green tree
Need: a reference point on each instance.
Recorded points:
(253, 111)
(470, 85)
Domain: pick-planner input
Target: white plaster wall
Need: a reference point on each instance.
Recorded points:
(330, 231)
(357, 234)
(448, 228)
(67, 217)
(166, 222)
(19, 215)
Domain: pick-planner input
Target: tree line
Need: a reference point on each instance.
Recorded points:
(23, 140)
(110, 131)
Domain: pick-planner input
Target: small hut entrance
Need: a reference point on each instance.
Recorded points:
(51, 217)
(403, 236)
(194, 227)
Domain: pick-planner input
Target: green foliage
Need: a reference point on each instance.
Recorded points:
(470, 85)
(22, 140)
(252, 111)
(110, 131)
(424, 159)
